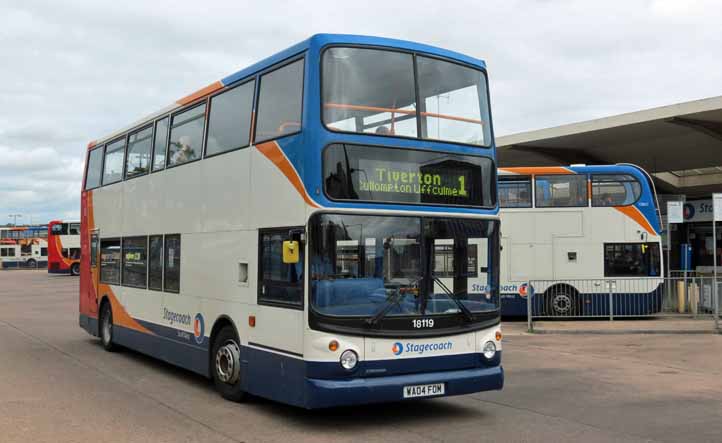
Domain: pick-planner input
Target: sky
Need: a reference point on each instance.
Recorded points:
(75, 70)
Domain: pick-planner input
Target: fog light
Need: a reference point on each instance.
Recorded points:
(349, 359)
(489, 350)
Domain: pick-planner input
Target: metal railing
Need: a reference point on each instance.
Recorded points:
(692, 296)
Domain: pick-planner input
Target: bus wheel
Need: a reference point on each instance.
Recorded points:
(75, 269)
(226, 364)
(561, 301)
(32, 263)
(106, 327)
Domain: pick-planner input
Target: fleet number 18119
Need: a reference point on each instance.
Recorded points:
(423, 323)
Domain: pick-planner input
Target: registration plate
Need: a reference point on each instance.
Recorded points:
(423, 390)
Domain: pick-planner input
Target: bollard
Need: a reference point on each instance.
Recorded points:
(611, 300)
(716, 295)
(681, 304)
(693, 294)
(530, 294)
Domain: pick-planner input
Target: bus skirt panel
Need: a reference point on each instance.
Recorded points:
(286, 377)
(328, 393)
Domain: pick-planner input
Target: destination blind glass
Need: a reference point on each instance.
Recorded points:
(368, 173)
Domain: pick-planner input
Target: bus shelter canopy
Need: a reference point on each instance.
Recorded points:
(680, 145)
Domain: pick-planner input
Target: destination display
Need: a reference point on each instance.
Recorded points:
(366, 173)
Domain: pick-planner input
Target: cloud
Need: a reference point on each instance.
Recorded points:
(77, 70)
(39, 183)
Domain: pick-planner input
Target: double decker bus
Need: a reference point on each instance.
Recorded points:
(580, 232)
(23, 246)
(278, 230)
(64, 247)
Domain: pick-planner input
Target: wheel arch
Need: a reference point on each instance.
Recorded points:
(561, 286)
(103, 300)
(220, 322)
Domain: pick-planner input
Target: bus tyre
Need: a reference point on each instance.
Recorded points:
(226, 364)
(106, 327)
(32, 263)
(561, 301)
(75, 269)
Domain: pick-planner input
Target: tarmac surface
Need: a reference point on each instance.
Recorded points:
(58, 385)
(662, 324)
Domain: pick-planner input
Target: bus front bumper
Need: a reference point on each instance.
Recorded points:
(328, 393)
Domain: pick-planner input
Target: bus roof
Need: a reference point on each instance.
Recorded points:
(316, 42)
(573, 169)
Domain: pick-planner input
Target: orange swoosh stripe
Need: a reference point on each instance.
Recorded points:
(273, 152)
(635, 214)
(120, 315)
(210, 89)
(537, 170)
(59, 249)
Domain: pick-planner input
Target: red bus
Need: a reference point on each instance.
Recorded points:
(64, 247)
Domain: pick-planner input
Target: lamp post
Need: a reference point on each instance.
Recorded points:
(15, 218)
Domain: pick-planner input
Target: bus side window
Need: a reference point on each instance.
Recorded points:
(137, 162)
(93, 250)
(615, 190)
(172, 263)
(60, 229)
(515, 192)
(160, 144)
(186, 135)
(155, 262)
(110, 261)
(279, 283)
(114, 161)
(229, 120)
(135, 261)
(95, 170)
(279, 102)
(561, 191)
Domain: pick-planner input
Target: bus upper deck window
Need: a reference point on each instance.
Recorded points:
(560, 191)
(615, 190)
(369, 91)
(280, 102)
(515, 192)
(95, 168)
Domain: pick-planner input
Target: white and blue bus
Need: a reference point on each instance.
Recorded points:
(575, 231)
(279, 231)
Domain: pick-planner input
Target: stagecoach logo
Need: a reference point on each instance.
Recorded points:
(397, 349)
(198, 328)
(524, 289)
(420, 348)
(688, 211)
(176, 317)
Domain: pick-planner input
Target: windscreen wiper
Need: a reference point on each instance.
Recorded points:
(394, 301)
(462, 307)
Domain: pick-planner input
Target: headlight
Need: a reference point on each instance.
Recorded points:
(489, 350)
(349, 359)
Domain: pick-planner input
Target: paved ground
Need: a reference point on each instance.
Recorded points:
(654, 325)
(57, 384)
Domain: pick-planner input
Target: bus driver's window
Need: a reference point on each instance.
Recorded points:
(280, 283)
